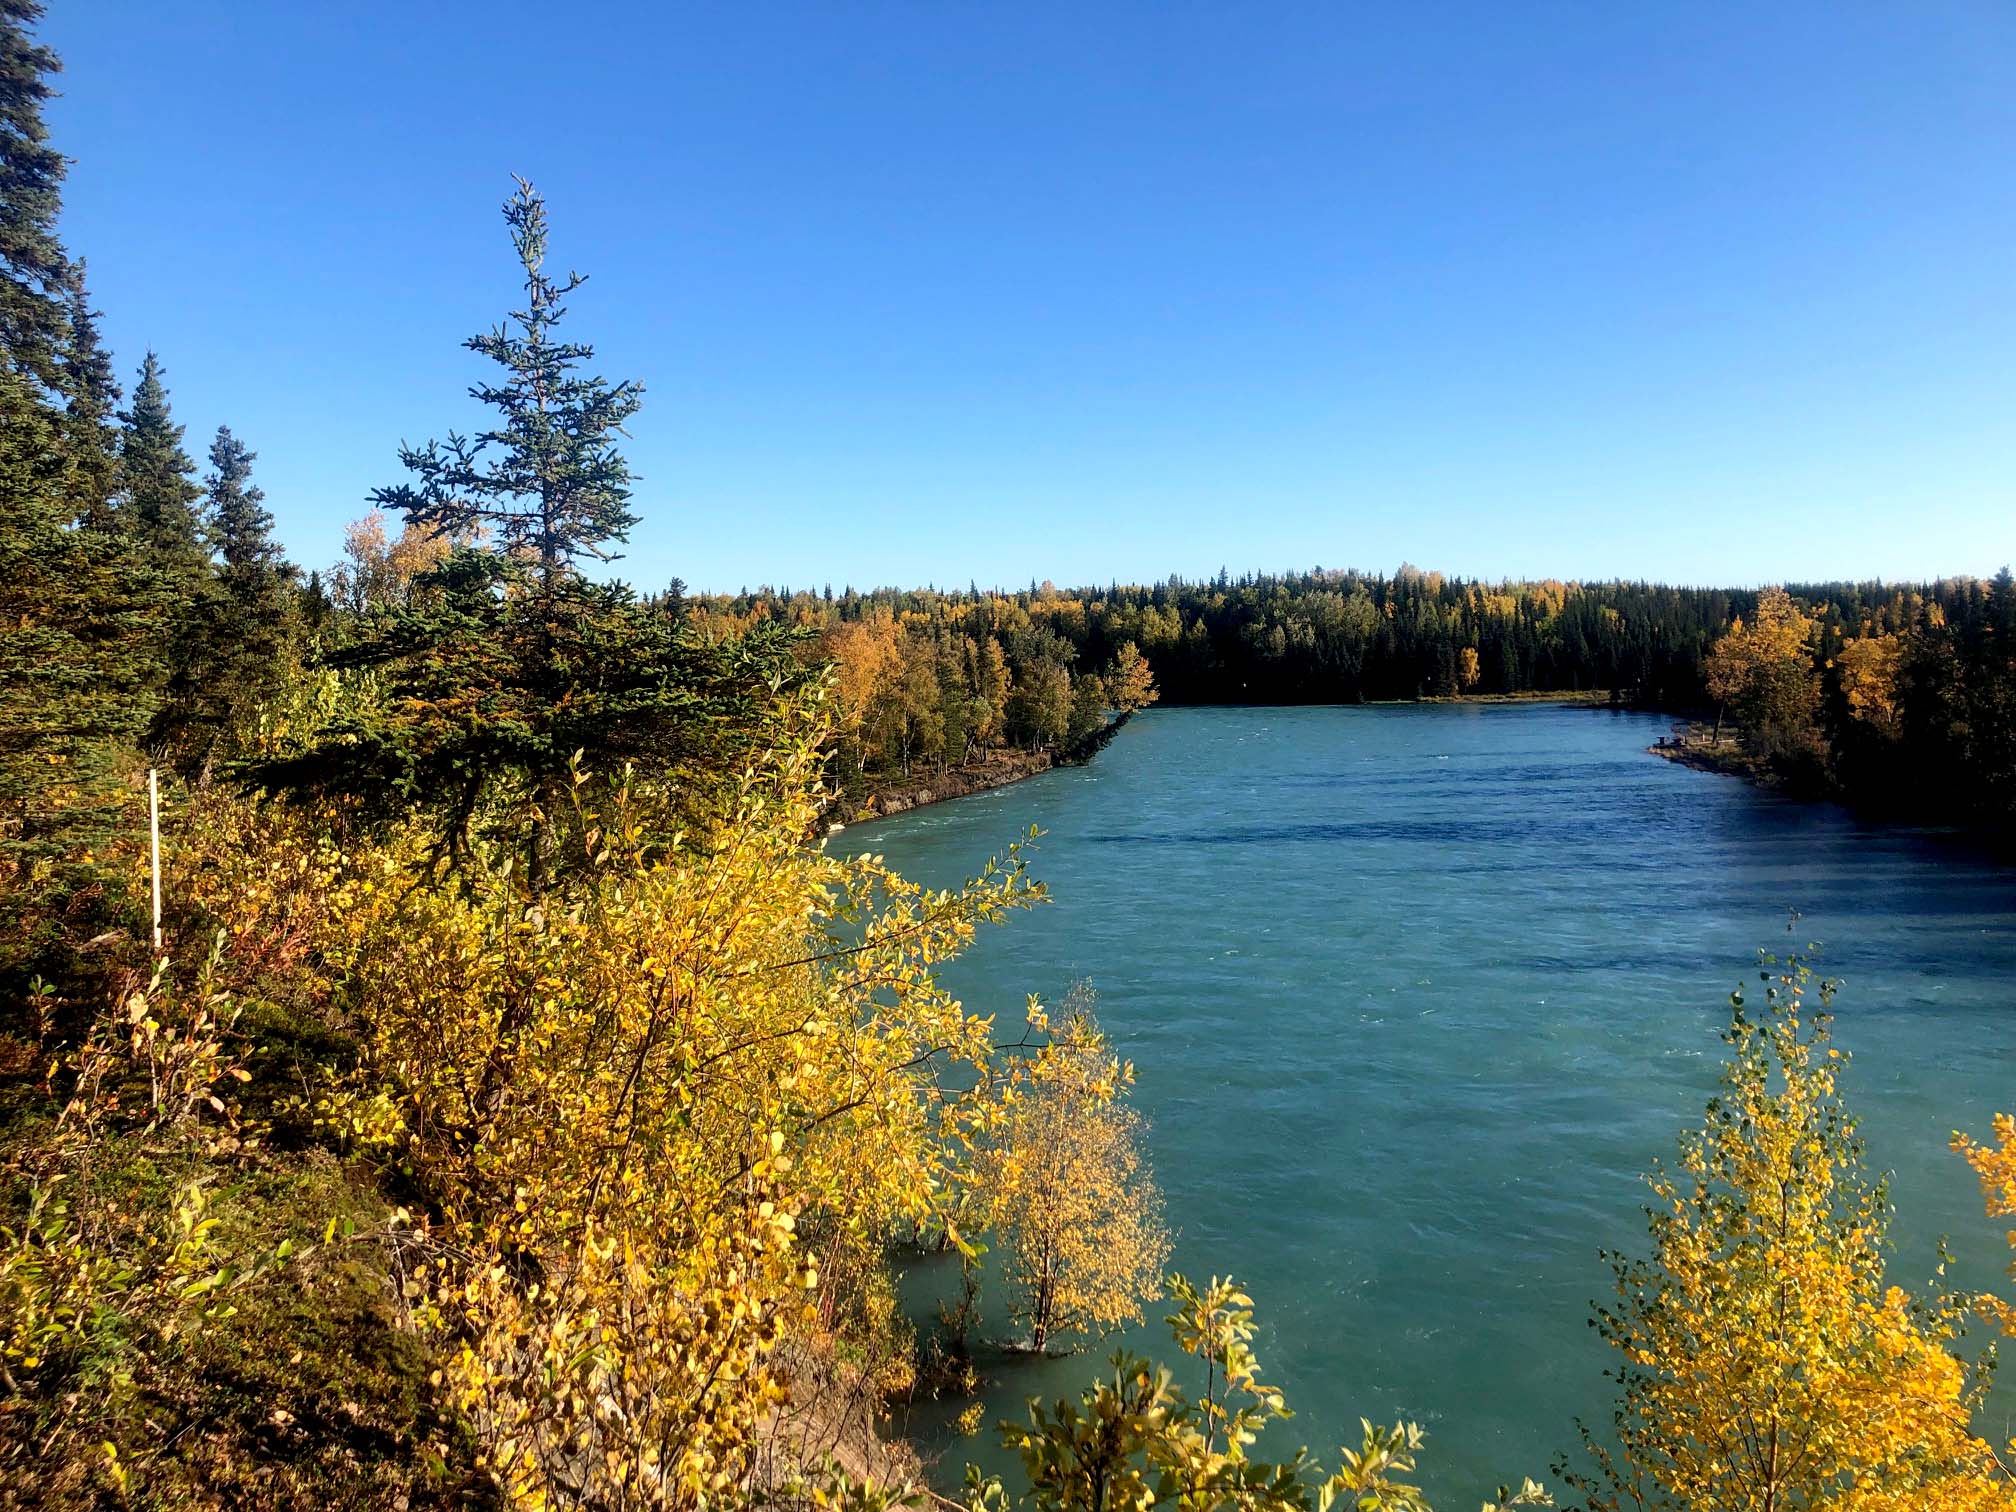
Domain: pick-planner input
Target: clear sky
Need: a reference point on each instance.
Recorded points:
(951, 290)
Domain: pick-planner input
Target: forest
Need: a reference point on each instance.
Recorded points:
(1897, 698)
(473, 1084)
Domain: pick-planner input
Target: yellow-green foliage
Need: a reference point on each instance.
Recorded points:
(621, 1110)
(1766, 1362)
(1995, 1165)
(1063, 1182)
(170, 1330)
(650, 1136)
(1135, 1439)
(83, 1272)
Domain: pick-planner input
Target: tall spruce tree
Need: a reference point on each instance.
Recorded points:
(158, 514)
(508, 661)
(78, 663)
(159, 495)
(546, 484)
(237, 637)
(79, 607)
(33, 268)
(241, 526)
(91, 394)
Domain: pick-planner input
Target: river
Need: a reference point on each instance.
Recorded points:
(1416, 994)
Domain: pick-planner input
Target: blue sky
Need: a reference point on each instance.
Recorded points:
(941, 291)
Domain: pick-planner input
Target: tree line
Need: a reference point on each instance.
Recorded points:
(1898, 697)
(510, 1105)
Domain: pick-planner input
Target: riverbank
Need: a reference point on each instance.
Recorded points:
(996, 770)
(1698, 746)
(1593, 698)
(904, 794)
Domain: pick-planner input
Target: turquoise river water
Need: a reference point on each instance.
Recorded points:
(1415, 995)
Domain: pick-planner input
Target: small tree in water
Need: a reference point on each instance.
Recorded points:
(1069, 1192)
(1766, 1365)
(1136, 1439)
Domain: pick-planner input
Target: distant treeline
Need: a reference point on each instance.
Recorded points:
(1903, 696)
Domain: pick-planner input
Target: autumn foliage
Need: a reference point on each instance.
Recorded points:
(1765, 1362)
(1063, 1184)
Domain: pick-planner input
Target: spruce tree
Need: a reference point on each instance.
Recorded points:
(157, 514)
(546, 484)
(507, 660)
(314, 606)
(254, 630)
(237, 637)
(241, 527)
(77, 664)
(33, 268)
(91, 394)
(158, 502)
(77, 667)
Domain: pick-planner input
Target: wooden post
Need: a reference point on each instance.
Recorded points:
(154, 832)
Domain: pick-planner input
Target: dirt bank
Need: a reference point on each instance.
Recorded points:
(994, 771)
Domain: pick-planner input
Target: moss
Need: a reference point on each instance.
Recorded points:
(309, 1393)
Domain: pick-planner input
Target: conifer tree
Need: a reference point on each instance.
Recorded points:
(254, 586)
(158, 503)
(92, 396)
(240, 524)
(157, 513)
(76, 668)
(73, 673)
(547, 482)
(236, 641)
(76, 664)
(33, 268)
(508, 663)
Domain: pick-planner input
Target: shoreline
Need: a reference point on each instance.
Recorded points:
(1007, 767)
(966, 781)
(985, 776)
(1689, 748)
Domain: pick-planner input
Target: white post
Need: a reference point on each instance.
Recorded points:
(154, 829)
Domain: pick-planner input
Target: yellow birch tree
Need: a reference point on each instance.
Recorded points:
(1995, 1165)
(1869, 667)
(1129, 682)
(1766, 1365)
(1066, 1188)
(1763, 673)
